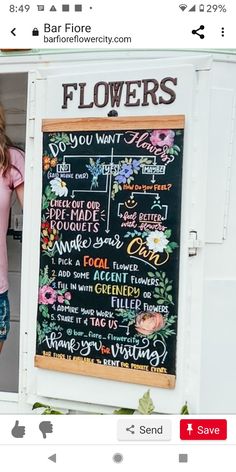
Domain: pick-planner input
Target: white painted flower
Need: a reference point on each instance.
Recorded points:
(59, 187)
(156, 241)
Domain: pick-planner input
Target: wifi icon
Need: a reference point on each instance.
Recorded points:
(183, 6)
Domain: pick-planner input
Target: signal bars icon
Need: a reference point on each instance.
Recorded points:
(183, 6)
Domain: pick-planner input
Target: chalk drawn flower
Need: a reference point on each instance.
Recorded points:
(120, 179)
(156, 241)
(95, 168)
(127, 170)
(45, 225)
(48, 236)
(147, 323)
(162, 137)
(64, 297)
(136, 164)
(124, 174)
(59, 187)
(46, 162)
(47, 295)
(53, 162)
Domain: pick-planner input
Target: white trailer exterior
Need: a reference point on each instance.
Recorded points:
(206, 348)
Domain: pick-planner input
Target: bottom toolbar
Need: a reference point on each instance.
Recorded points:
(115, 429)
(124, 458)
(112, 442)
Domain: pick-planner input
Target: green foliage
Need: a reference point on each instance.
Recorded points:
(171, 245)
(174, 150)
(44, 278)
(134, 233)
(184, 410)
(162, 291)
(146, 406)
(53, 251)
(47, 197)
(167, 233)
(128, 316)
(123, 411)
(166, 331)
(40, 333)
(169, 248)
(38, 405)
(45, 203)
(44, 310)
(47, 409)
(46, 328)
(59, 138)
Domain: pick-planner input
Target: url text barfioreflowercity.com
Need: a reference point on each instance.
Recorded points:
(88, 39)
(55, 35)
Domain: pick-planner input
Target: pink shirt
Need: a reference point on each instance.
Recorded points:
(8, 183)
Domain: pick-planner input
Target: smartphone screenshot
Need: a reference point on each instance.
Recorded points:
(117, 235)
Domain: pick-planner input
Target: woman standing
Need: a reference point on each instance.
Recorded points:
(11, 178)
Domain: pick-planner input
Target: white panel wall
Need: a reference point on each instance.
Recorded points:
(218, 390)
(222, 104)
(218, 387)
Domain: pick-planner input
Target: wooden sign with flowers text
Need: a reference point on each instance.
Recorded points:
(110, 242)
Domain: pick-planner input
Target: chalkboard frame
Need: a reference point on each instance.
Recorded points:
(79, 366)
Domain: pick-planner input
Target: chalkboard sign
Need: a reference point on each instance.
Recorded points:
(109, 249)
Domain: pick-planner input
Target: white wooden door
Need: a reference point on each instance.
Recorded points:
(46, 101)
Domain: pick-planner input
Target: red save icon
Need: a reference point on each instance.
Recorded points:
(203, 430)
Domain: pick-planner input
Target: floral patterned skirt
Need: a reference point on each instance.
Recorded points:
(4, 316)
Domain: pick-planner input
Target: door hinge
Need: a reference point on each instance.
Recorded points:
(193, 243)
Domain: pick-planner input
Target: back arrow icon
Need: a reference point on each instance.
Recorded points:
(53, 458)
(13, 31)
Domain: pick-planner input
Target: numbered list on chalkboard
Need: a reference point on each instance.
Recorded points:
(109, 248)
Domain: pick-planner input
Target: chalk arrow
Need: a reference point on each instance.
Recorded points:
(109, 194)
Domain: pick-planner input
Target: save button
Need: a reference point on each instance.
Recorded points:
(203, 430)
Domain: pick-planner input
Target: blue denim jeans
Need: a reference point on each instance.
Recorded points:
(4, 316)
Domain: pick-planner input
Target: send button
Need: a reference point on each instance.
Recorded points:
(144, 430)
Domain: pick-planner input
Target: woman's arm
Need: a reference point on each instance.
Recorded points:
(20, 193)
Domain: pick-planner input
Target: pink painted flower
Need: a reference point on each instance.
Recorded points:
(60, 299)
(47, 295)
(162, 137)
(149, 322)
(67, 296)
